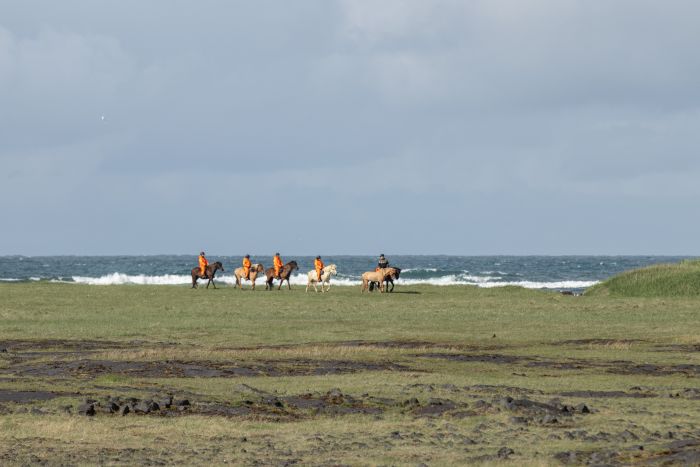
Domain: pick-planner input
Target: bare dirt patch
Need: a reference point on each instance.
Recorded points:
(26, 396)
(199, 369)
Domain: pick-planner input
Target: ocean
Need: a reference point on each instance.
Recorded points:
(572, 273)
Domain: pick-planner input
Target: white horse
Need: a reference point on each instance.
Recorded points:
(326, 274)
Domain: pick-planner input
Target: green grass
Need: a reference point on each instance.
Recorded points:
(592, 336)
(661, 280)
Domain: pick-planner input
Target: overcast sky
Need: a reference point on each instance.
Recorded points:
(350, 127)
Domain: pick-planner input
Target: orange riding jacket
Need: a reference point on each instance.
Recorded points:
(203, 263)
(246, 264)
(277, 264)
(318, 264)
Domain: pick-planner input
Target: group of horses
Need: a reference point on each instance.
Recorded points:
(380, 278)
(256, 269)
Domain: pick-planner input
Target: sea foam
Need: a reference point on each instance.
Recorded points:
(301, 280)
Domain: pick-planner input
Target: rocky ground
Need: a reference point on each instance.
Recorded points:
(480, 423)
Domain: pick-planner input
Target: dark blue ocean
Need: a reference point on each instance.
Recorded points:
(537, 272)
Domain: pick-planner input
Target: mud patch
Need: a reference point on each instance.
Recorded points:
(607, 342)
(199, 369)
(484, 358)
(26, 396)
(607, 394)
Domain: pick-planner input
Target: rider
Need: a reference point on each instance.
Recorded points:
(277, 264)
(318, 265)
(246, 266)
(382, 263)
(203, 263)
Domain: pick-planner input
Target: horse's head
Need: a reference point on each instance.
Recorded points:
(292, 266)
(218, 265)
(259, 267)
(331, 269)
(389, 272)
(397, 273)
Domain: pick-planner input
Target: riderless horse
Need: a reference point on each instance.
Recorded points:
(377, 276)
(387, 279)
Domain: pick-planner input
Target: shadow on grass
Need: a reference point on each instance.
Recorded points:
(413, 292)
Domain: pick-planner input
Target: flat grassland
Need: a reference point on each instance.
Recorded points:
(426, 375)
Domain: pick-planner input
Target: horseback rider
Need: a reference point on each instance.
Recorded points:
(246, 266)
(277, 264)
(203, 263)
(382, 263)
(318, 265)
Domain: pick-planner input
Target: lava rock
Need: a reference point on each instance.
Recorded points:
(86, 409)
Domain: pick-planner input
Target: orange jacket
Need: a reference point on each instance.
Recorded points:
(246, 263)
(203, 263)
(318, 264)
(277, 263)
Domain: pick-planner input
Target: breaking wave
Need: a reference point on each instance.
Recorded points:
(301, 280)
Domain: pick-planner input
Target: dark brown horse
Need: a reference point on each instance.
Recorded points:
(285, 274)
(209, 274)
(387, 279)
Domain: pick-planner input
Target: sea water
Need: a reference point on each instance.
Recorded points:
(573, 273)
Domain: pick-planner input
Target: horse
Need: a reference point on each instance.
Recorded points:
(387, 279)
(255, 269)
(209, 273)
(377, 276)
(326, 274)
(285, 274)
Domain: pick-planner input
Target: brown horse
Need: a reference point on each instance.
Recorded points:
(377, 276)
(209, 273)
(387, 279)
(255, 269)
(285, 274)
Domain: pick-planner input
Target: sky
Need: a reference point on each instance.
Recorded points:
(349, 127)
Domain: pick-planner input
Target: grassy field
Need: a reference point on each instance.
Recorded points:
(426, 375)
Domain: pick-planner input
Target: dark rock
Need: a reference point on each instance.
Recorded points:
(86, 409)
(142, 407)
(185, 403)
(166, 402)
(109, 407)
(124, 409)
(505, 452)
(582, 408)
(549, 420)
